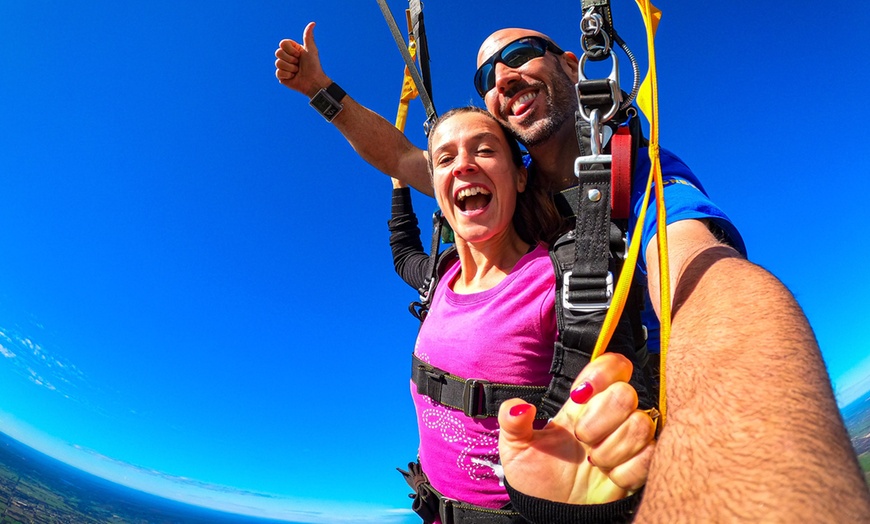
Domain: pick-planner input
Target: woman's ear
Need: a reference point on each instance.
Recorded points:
(522, 179)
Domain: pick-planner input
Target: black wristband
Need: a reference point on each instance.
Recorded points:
(546, 511)
(336, 92)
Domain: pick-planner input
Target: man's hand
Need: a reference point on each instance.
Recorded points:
(597, 449)
(298, 66)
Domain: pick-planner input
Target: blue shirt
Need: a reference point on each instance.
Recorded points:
(685, 199)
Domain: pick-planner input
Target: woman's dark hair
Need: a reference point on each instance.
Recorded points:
(536, 218)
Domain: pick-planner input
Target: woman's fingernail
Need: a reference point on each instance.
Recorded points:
(589, 458)
(582, 394)
(519, 409)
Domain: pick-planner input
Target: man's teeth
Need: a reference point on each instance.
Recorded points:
(522, 100)
(469, 192)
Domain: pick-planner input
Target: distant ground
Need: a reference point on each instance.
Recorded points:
(857, 418)
(37, 489)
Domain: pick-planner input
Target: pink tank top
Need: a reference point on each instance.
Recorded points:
(504, 334)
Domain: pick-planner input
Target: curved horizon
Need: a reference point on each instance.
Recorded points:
(196, 493)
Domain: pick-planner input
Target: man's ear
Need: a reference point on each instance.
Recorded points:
(571, 64)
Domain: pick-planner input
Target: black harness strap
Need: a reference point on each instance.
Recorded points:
(476, 398)
(429, 503)
(434, 270)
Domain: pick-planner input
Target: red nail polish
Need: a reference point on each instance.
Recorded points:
(589, 458)
(519, 409)
(582, 394)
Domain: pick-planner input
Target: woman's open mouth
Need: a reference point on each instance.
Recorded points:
(472, 198)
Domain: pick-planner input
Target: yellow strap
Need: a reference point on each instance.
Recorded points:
(409, 89)
(648, 101)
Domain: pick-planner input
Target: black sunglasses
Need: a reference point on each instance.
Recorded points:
(512, 55)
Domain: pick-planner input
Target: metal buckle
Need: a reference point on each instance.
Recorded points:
(585, 307)
(596, 144)
(473, 397)
(430, 382)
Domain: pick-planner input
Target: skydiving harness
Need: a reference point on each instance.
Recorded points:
(585, 259)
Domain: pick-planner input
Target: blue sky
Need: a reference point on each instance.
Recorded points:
(196, 293)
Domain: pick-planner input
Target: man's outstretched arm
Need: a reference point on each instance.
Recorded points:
(375, 139)
(753, 432)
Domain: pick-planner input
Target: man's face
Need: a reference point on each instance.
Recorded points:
(535, 99)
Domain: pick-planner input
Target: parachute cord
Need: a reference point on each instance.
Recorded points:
(648, 102)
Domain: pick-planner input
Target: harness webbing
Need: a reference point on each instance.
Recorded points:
(434, 268)
(595, 46)
(418, 30)
(622, 169)
(603, 195)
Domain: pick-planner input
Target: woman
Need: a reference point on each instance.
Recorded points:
(492, 317)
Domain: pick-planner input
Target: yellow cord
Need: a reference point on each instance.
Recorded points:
(648, 101)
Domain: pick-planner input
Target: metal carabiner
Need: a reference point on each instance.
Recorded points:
(613, 83)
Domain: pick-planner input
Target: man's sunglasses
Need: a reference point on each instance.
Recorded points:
(512, 55)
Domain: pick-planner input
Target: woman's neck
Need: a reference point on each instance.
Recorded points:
(485, 264)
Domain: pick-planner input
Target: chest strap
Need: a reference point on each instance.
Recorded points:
(476, 398)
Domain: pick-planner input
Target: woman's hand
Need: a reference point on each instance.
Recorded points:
(597, 449)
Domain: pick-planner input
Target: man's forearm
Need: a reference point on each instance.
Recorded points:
(753, 432)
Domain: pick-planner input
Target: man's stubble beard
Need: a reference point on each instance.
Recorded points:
(561, 105)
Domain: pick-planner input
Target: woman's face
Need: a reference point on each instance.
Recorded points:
(475, 181)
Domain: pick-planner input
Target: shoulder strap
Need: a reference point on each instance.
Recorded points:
(586, 260)
(579, 320)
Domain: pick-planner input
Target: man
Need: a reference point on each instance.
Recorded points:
(753, 431)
